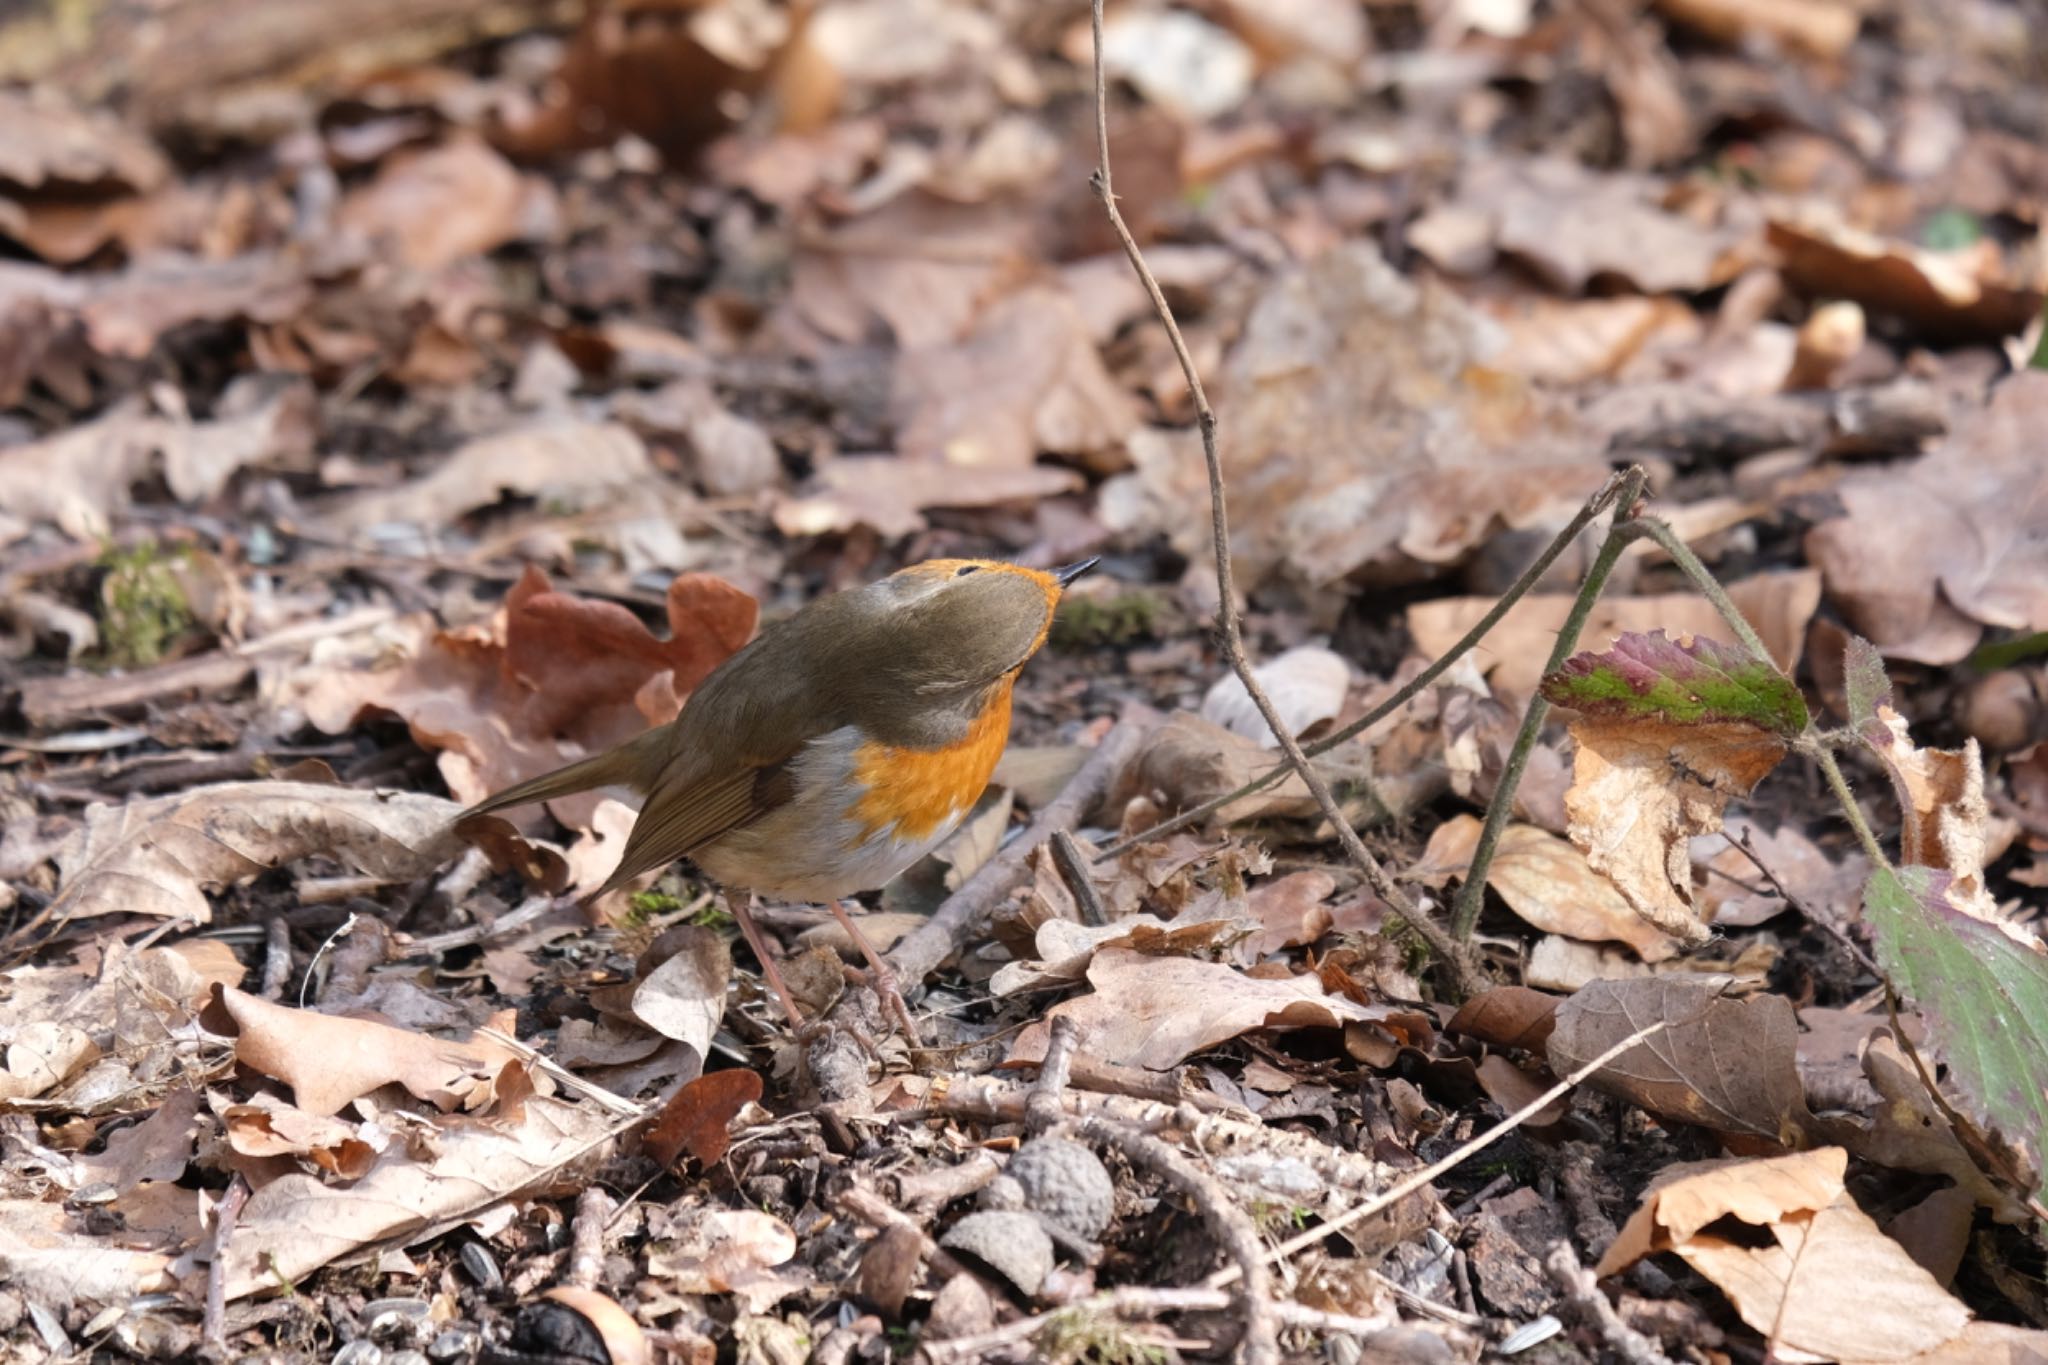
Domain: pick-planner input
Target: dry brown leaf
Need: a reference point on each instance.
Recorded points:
(554, 457)
(50, 1252)
(434, 207)
(1794, 1292)
(1025, 381)
(1778, 605)
(1155, 1011)
(329, 1061)
(1508, 1016)
(1292, 910)
(684, 997)
(1641, 789)
(1812, 28)
(267, 1127)
(298, 1223)
(1187, 760)
(159, 857)
(1571, 341)
(552, 678)
(1725, 1064)
(1550, 884)
(156, 1149)
(697, 1119)
(1930, 552)
(164, 290)
(891, 495)
(1953, 296)
(1686, 1198)
(919, 265)
(1943, 812)
(1065, 948)
(1307, 686)
(1826, 888)
(1573, 225)
(1178, 61)
(725, 1251)
(1366, 435)
(41, 1055)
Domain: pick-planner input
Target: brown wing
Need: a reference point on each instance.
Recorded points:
(675, 823)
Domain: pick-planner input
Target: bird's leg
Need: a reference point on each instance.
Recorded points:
(741, 903)
(881, 977)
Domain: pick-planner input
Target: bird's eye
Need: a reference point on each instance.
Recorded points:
(966, 569)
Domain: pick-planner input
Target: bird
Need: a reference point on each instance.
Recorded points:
(833, 750)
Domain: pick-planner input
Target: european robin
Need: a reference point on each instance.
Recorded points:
(836, 748)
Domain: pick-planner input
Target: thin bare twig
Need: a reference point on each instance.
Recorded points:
(1415, 1181)
(1465, 977)
(586, 1238)
(1046, 1104)
(1472, 894)
(1583, 1297)
(1407, 692)
(214, 1322)
(1066, 853)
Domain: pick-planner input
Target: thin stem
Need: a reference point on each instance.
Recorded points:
(1414, 687)
(1472, 894)
(1681, 554)
(1229, 630)
(1824, 757)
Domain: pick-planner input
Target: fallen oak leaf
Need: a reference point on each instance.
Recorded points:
(1725, 1064)
(329, 1061)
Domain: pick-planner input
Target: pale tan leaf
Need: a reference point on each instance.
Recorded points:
(48, 1252)
(555, 457)
(1306, 685)
(298, 1223)
(1551, 885)
(159, 857)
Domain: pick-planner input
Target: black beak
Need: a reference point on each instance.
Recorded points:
(1073, 571)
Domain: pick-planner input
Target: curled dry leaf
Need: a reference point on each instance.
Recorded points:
(1156, 1011)
(697, 1119)
(1812, 28)
(684, 997)
(1306, 685)
(159, 857)
(43, 1055)
(1928, 553)
(1550, 884)
(1943, 814)
(1954, 296)
(267, 1127)
(1508, 1016)
(553, 677)
(1726, 1064)
(1066, 948)
(329, 1061)
(1823, 1252)
(298, 1223)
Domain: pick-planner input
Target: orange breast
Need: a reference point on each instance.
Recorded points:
(915, 791)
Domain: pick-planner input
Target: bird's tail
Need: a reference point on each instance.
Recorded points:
(635, 764)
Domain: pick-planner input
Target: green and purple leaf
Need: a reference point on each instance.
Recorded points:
(1701, 682)
(1983, 994)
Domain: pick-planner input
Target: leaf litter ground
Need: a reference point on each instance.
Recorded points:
(389, 427)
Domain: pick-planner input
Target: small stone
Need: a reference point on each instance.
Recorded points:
(1013, 1245)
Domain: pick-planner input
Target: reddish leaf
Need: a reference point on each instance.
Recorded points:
(1508, 1016)
(1696, 682)
(695, 1120)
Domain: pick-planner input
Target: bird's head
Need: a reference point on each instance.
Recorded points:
(955, 624)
